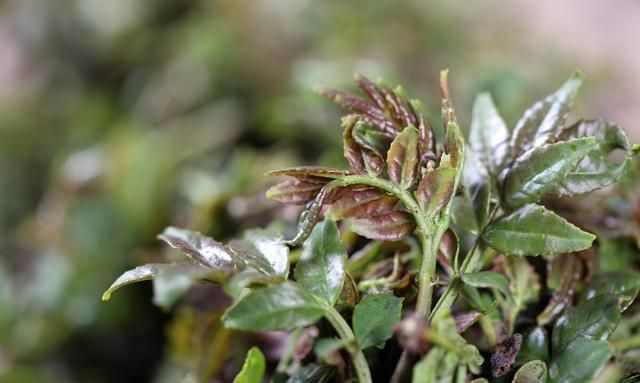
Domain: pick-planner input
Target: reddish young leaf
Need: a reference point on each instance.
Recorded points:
(564, 273)
(352, 151)
(304, 172)
(371, 89)
(403, 158)
(466, 320)
(435, 190)
(294, 191)
(387, 227)
(361, 203)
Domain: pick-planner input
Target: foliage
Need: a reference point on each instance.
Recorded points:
(405, 184)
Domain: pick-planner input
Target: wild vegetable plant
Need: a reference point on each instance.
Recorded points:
(454, 246)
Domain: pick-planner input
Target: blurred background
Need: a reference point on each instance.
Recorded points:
(120, 117)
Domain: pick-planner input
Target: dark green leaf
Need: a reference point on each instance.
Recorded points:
(201, 249)
(253, 367)
(282, 307)
(541, 169)
(436, 189)
(361, 203)
(593, 319)
(623, 284)
(403, 158)
(392, 226)
(374, 318)
(151, 271)
(487, 279)
(534, 371)
(489, 136)
(579, 362)
(535, 346)
(544, 120)
(534, 230)
(320, 269)
(312, 373)
(595, 171)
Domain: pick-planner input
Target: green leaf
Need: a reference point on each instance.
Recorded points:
(534, 371)
(544, 120)
(201, 249)
(312, 373)
(595, 171)
(374, 144)
(308, 218)
(425, 371)
(436, 188)
(623, 284)
(472, 212)
(320, 269)
(489, 135)
(487, 279)
(535, 346)
(524, 284)
(358, 202)
(253, 368)
(403, 158)
(392, 226)
(374, 318)
(579, 362)
(592, 319)
(172, 283)
(262, 250)
(283, 307)
(540, 170)
(534, 230)
(151, 271)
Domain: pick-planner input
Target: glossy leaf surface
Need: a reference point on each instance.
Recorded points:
(361, 203)
(281, 307)
(374, 318)
(403, 158)
(534, 230)
(201, 249)
(539, 171)
(580, 361)
(392, 226)
(543, 121)
(320, 269)
(436, 189)
(534, 371)
(489, 135)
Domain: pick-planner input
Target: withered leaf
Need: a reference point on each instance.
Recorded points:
(505, 355)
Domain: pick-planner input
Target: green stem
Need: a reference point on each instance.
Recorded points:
(430, 234)
(360, 364)
(626, 344)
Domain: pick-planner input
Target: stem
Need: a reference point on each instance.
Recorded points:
(626, 344)
(344, 331)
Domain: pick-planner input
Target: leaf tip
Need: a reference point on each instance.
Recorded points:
(106, 296)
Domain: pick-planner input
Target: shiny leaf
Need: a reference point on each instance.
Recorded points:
(540, 170)
(593, 319)
(534, 371)
(487, 279)
(361, 203)
(262, 250)
(436, 188)
(201, 249)
(253, 368)
(294, 191)
(320, 269)
(374, 318)
(535, 346)
(308, 218)
(151, 271)
(579, 362)
(392, 226)
(279, 307)
(470, 209)
(489, 135)
(544, 120)
(623, 284)
(534, 230)
(403, 158)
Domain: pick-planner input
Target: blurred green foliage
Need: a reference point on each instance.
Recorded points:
(118, 118)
